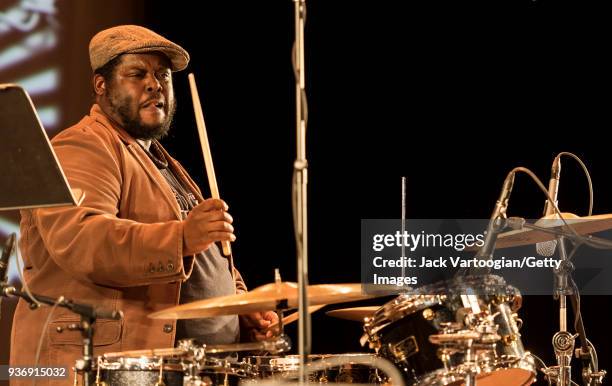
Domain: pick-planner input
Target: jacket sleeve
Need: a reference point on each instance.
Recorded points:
(90, 241)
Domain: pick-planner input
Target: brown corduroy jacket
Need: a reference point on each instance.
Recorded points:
(121, 249)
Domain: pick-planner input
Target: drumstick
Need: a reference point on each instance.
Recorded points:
(210, 169)
(293, 317)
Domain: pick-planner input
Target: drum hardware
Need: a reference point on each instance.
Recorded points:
(564, 287)
(274, 345)
(357, 314)
(75, 380)
(186, 364)
(320, 368)
(591, 377)
(459, 338)
(88, 313)
(348, 366)
(405, 348)
(428, 314)
(454, 337)
(518, 320)
(98, 381)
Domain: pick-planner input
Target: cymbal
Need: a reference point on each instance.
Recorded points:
(264, 298)
(583, 226)
(357, 314)
(294, 316)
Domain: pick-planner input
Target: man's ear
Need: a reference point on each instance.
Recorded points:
(99, 84)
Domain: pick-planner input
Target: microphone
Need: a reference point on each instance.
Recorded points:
(498, 222)
(548, 248)
(9, 246)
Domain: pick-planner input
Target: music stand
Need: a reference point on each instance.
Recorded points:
(33, 178)
(31, 173)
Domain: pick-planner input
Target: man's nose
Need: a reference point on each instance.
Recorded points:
(153, 84)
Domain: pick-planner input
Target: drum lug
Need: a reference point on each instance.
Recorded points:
(428, 314)
(405, 348)
(98, 381)
(160, 380)
(509, 339)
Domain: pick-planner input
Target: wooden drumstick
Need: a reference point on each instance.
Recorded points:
(293, 317)
(210, 169)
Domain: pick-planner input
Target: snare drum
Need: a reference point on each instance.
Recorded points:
(400, 331)
(351, 371)
(276, 367)
(172, 371)
(146, 371)
(220, 372)
(287, 368)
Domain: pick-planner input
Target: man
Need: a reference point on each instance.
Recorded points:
(144, 238)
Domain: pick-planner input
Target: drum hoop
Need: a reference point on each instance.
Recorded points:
(140, 364)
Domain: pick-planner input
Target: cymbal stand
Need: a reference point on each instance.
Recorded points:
(563, 341)
(591, 375)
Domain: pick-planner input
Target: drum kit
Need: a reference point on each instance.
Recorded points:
(438, 335)
(462, 331)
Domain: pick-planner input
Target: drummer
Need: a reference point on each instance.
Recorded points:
(144, 238)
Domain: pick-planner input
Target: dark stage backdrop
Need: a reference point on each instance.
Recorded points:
(451, 95)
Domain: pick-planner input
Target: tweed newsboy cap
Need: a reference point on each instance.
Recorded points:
(133, 39)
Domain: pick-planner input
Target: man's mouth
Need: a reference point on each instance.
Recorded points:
(156, 104)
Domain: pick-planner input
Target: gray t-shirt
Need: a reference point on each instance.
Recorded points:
(211, 276)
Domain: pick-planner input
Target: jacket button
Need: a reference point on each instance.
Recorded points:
(170, 267)
(167, 328)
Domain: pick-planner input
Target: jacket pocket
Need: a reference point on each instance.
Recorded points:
(106, 332)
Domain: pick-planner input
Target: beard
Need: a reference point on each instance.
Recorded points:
(131, 121)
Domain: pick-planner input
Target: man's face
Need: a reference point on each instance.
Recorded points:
(140, 95)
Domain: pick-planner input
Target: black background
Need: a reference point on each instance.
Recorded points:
(451, 95)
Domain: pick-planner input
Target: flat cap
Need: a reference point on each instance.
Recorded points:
(133, 39)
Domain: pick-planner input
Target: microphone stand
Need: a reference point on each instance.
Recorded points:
(563, 341)
(497, 223)
(88, 316)
(300, 181)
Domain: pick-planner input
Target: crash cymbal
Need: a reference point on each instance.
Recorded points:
(264, 298)
(582, 225)
(357, 314)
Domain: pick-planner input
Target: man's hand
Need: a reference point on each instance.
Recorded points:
(207, 223)
(254, 326)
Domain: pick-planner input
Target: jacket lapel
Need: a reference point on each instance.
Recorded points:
(156, 176)
(143, 159)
